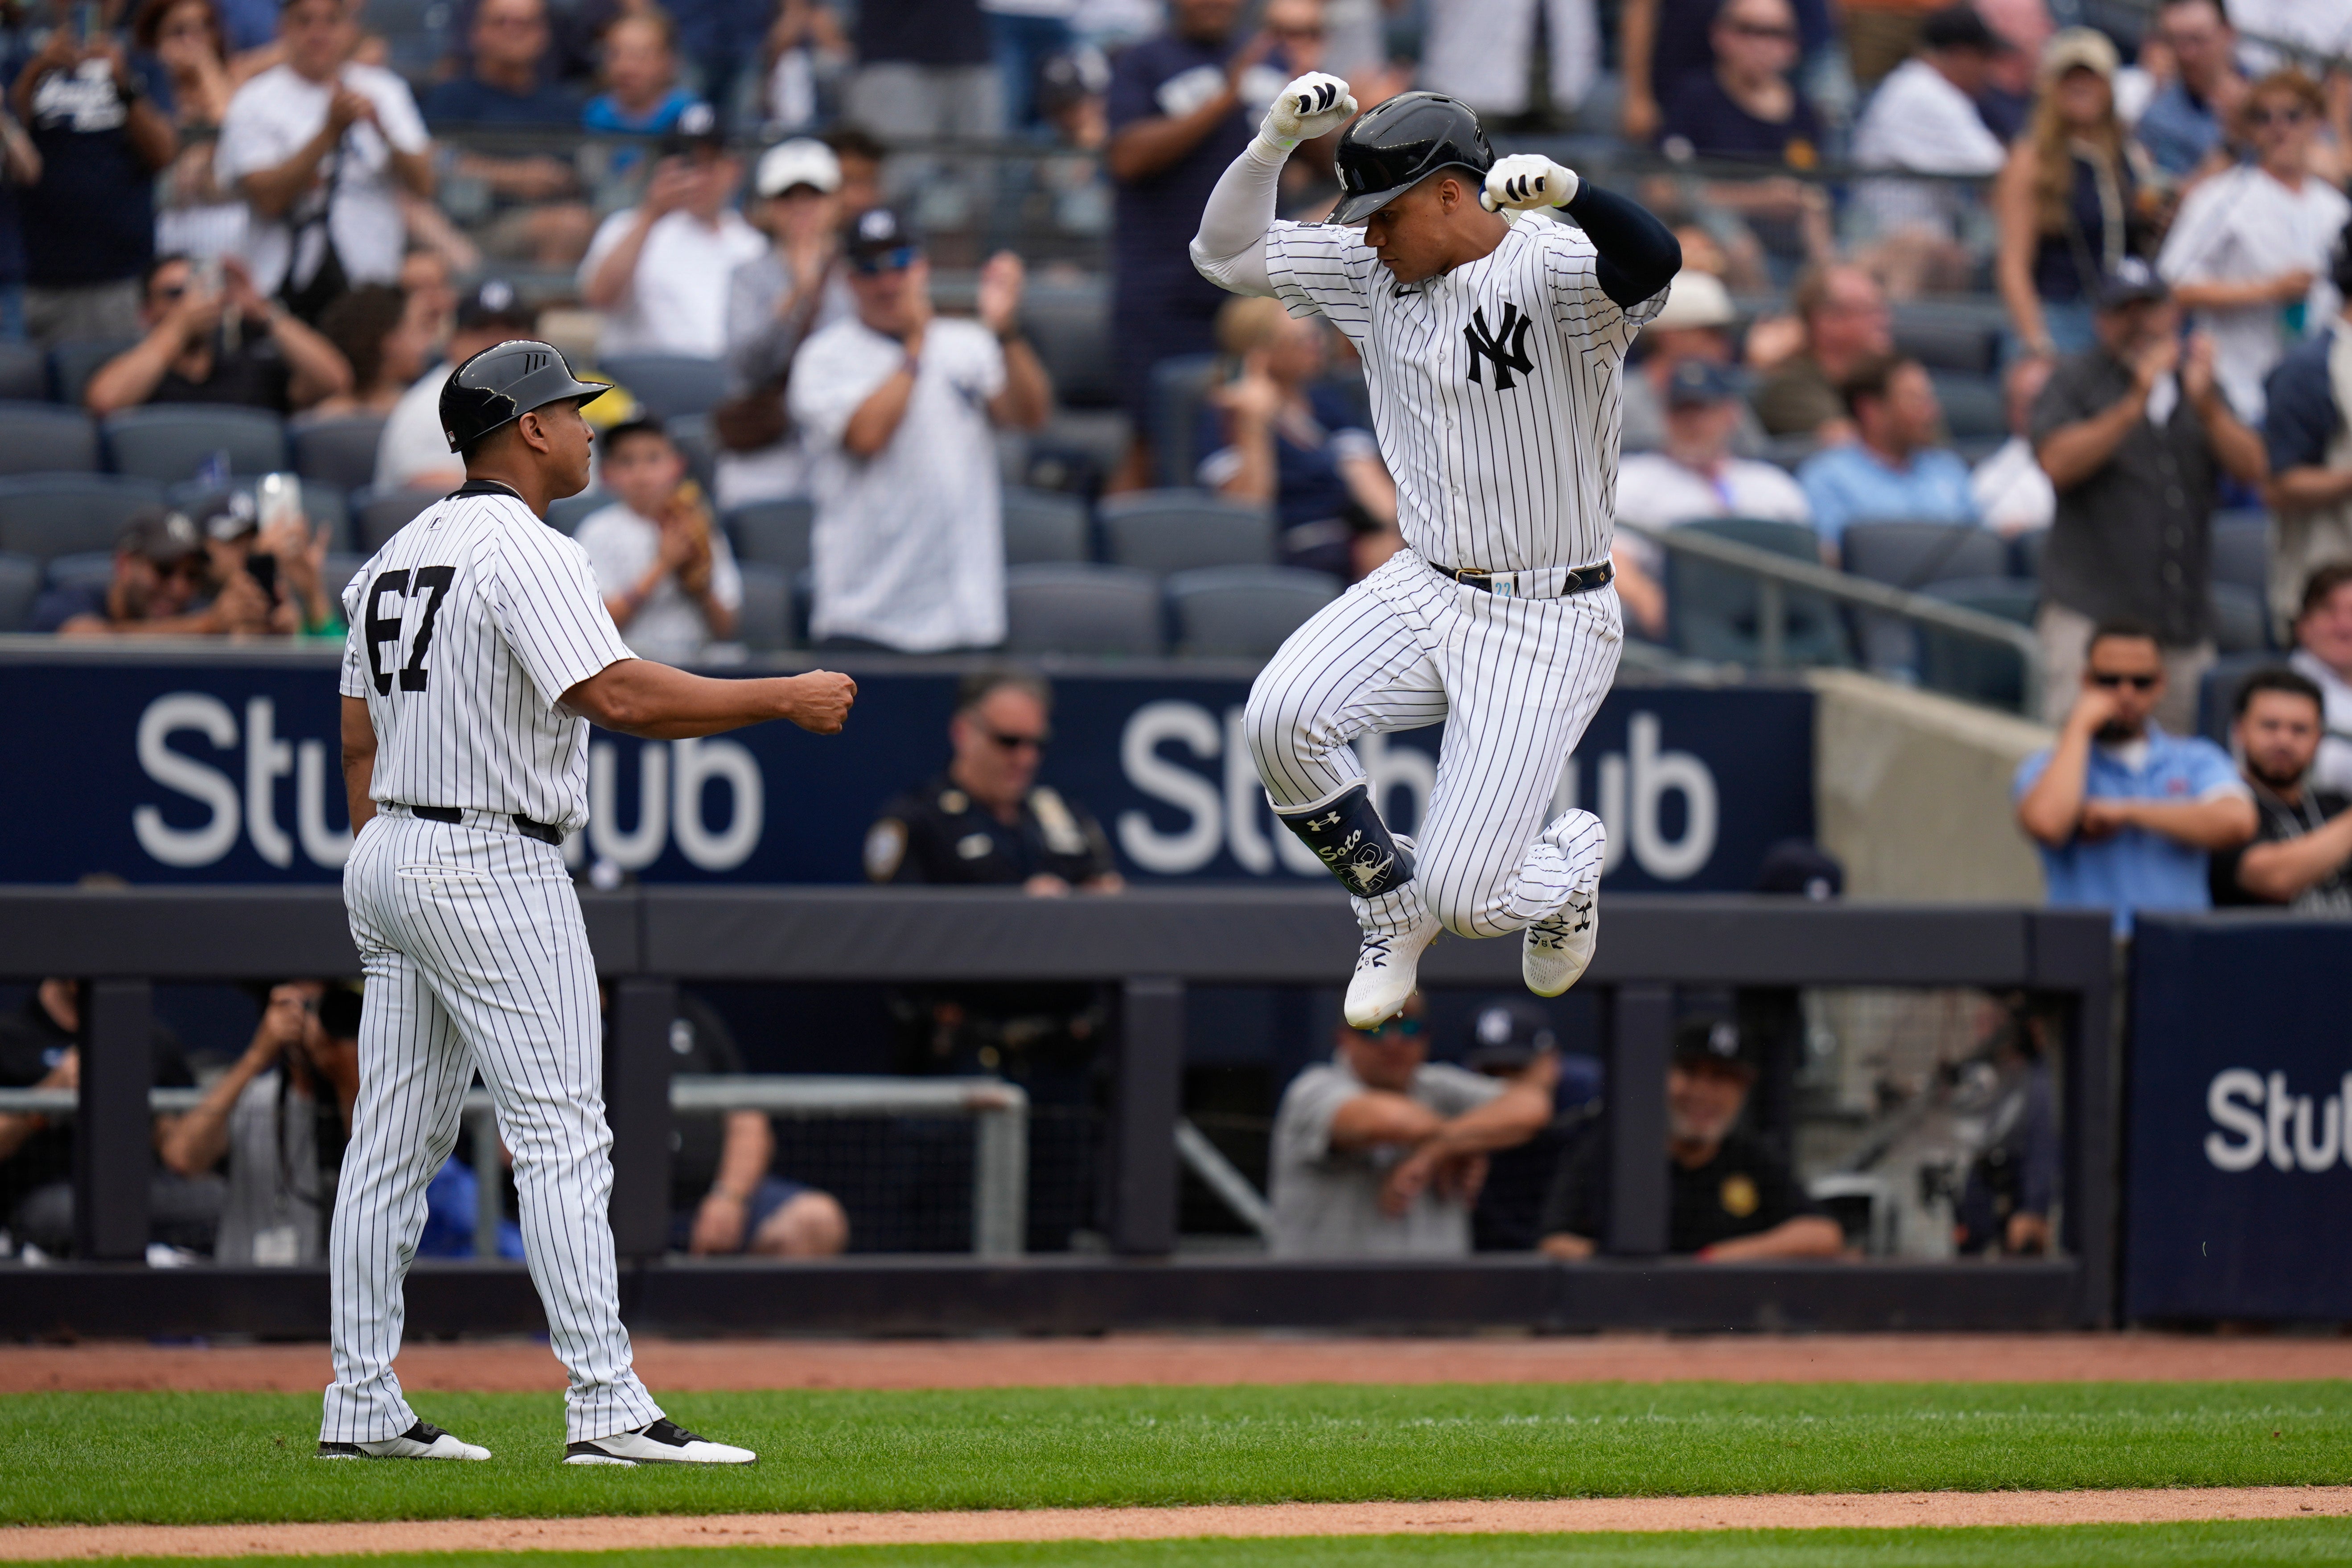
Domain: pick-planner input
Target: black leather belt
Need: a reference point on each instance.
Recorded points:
(1577, 580)
(541, 831)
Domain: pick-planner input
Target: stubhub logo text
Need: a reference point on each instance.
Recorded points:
(2261, 1120)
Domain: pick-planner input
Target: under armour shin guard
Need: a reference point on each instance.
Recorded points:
(1348, 836)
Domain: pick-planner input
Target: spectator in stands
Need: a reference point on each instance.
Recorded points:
(926, 69)
(804, 56)
(1665, 44)
(2068, 201)
(860, 157)
(987, 822)
(1845, 323)
(2301, 854)
(2323, 652)
(226, 345)
(293, 585)
(1695, 476)
(321, 147)
(661, 561)
(280, 1116)
(2011, 493)
(1893, 471)
(1182, 106)
(2134, 435)
(660, 271)
(1380, 1151)
(2305, 437)
(725, 1195)
(99, 121)
(1748, 110)
(413, 452)
(384, 336)
(198, 216)
(1464, 42)
(160, 578)
(1924, 118)
(898, 410)
(425, 278)
(2249, 251)
(2124, 812)
(642, 96)
(774, 301)
(1277, 435)
(40, 1047)
(2183, 123)
(1695, 324)
(507, 82)
(1732, 1199)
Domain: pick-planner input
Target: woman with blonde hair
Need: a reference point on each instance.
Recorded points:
(2071, 202)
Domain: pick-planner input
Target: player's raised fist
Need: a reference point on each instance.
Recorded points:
(1525, 181)
(819, 701)
(1315, 104)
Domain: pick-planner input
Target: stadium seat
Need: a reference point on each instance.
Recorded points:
(2217, 691)
(566, 515)
(764, 623)
(1178, 386)
(20, 585)
(1040, 527)
(24, 373)
(1178, 529)
(1941, 341)
(1081, 609)
(667, 385)
(1712, 612)
(342, 565)
(49, 515)
(173, 442)
(1911, 555)
(72, 364)
(2242, 548)
(1974, 408)
(81, 567)
(379, 517)
(2242, 619)
(2025, 554)
(339, 452)
(1070, 328)
(1964, 666)
(772, 532)
(691, 434)
(43, 439)
(1789, 451)
(1243, 612)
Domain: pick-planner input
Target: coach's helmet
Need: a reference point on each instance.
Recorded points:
(1388, 149)
(502, 383)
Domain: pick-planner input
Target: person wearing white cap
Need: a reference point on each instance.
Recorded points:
(1695, 324)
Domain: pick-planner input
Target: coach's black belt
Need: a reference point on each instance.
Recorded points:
(1511, 585)
(541, 831)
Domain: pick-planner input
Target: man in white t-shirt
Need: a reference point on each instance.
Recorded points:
(1923, 118)
(897, 407)
(661, 562)
(413, 453)
(321, 148)
(1693, 475)
(659, 270)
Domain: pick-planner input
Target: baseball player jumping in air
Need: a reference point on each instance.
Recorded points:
(1493, 343)
(479, 650)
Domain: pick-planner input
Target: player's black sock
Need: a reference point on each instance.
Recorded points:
(1347, 835)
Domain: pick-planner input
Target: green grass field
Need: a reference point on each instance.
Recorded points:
(193, 1457)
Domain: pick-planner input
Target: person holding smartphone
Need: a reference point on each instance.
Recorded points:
(271, 543)
(210, 336)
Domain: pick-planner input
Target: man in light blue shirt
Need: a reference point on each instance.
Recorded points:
(1892, 472)
(2124, 813)
(2182, 123)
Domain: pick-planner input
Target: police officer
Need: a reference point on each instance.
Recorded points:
(987, 822)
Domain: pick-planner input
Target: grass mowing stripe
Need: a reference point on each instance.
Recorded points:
(2258, 1543)
(225, 1458)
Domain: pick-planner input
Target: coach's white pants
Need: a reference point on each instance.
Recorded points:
(475, 957)
(1514, 681)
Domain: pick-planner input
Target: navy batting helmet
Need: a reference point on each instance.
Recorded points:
(1387, 150)
(502, 383)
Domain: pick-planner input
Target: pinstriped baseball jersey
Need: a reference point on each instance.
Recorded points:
(466, 629)
(1495, 387)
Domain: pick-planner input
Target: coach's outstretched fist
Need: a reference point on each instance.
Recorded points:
(819, 700)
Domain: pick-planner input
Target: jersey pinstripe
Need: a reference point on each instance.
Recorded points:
(1495, 387)
(467, 629)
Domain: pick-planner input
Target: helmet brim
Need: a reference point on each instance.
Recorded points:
(1356, 210)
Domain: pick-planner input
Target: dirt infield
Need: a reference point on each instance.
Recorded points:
(1866, 1511)
(691, 1366)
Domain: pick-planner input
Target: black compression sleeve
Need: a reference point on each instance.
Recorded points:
(1639, 255)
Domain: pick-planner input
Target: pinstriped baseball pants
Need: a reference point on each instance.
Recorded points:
(1514, 681)
(475, 956)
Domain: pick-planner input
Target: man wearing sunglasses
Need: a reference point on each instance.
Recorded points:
(159, 573)
(2124, 813)
(1380, 1151)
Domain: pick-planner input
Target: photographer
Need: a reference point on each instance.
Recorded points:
(217, 342)
(282, 556)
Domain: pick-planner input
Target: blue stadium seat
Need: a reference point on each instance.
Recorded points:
(1178, 387)
(764, 623)
(2242, 619)
(1965, 667)
(43, 438)
(772, 532)
(1081, 609)
(172, 442)
(1712, 612)
(1040, 526)
(1974, 408)
(1180, 529)
(342, 565)
(1243, 612)
(82, 566)
(667, 385)
(24, 373)
(2025, 554)
(1911, 555)
(49, 515)
(20, 585)
(696, 442)
(73, 363)
(1070, 328)
(378, 517)
(566, 515)
(2217, 691)
(339, 451)
(2242, 548)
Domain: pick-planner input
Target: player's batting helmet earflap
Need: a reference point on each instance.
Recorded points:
(502, 383)
(1387, 150)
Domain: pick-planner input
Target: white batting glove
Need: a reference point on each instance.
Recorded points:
(1526, 181)
(1309, 107)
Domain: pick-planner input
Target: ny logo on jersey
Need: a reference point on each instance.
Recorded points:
(1505, 350)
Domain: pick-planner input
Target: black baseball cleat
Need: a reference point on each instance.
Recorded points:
(422, 1441)
(663, 1443)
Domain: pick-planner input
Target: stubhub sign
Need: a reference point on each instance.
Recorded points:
(228, 769)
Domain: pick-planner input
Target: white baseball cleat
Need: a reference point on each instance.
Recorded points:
(422, 1441)
(663, 1443)
(1387, 970)
(1554, 951)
